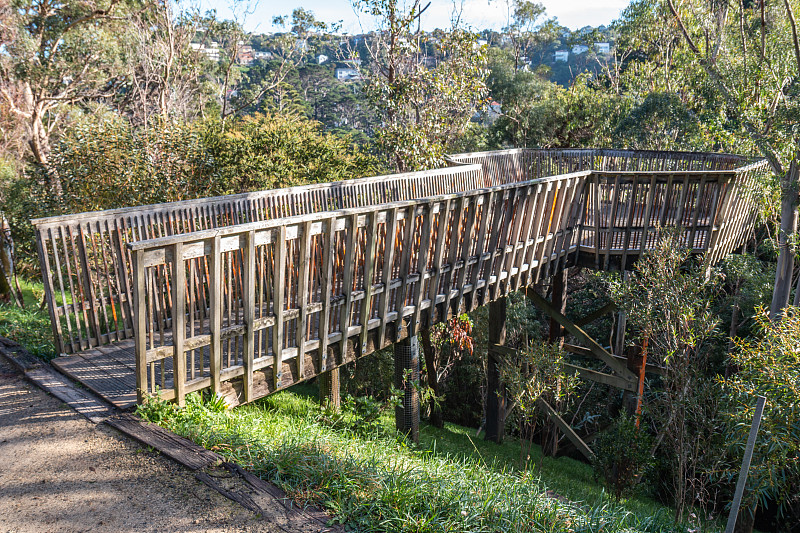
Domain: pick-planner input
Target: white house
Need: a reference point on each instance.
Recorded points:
(602, 48)
(578, 49)
(321, 59)
(211, 51)
(347, 74)
(561, 55)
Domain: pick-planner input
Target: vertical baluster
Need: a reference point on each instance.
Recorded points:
(178, 322)
(277, 306)
(249, 310)
(215, 318)
(302, 296)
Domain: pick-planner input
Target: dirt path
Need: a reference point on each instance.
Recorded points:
(61, 473)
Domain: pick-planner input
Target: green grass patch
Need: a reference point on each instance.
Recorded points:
(29, 326)
(374, 480)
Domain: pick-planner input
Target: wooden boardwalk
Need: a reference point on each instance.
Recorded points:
(109, 371)
(248, 294)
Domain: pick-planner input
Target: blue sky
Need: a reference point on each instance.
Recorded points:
(478, 14)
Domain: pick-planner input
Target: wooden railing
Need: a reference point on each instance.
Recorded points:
(86, 268)
(280, 301)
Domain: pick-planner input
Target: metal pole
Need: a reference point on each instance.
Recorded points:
(748, 455)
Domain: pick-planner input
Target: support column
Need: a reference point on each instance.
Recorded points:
(406, 361)
(329, 389)
(559, 302)
(495, 391)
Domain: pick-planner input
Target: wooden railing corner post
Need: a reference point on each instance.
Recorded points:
(140, 325)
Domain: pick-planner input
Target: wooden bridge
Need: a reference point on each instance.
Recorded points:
(251, 293)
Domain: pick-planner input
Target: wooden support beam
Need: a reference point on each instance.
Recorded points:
(329, 389)
(566, 429)
(559, 303)
(585, 373)
(495, 391)
(406, 364)
(596, 350)
(586, 352)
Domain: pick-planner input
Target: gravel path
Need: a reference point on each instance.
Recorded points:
(61, 473)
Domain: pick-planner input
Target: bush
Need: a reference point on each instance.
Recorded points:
(623, 456)
(105, 163)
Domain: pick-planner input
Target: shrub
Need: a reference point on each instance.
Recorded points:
(623, 456)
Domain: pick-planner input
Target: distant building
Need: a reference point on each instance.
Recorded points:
(561, 55)
(246, 55)
(602, 48)
(347, 74)
(258, 54)
(352, 63)
(211, 51)
(321, 59)
(578, 49)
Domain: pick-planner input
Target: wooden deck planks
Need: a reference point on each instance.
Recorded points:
(109, 373)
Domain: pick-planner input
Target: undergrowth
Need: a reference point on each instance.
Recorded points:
(29, 326)
(372, 479)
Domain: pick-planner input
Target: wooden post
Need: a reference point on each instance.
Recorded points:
(406, 375)
(495, 391)
(559, 300)
(748, 455)
(329, 389)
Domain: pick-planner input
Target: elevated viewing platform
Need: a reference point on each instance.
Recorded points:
(251, 293)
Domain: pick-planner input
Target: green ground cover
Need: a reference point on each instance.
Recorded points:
(373, 480)
(29, 326)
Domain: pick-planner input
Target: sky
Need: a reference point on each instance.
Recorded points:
(479, 14)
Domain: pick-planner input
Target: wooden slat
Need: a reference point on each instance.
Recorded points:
(303, 283)
(277, 305)
(249, 311)
(215, 308)
(325, 289)
(178, 324)
(369, 266)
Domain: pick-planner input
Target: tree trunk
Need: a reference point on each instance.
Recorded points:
(785, 266)
(433, 379)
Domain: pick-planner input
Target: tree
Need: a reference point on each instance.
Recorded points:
(56, 54)
(749, 54)
(424, 101)
(667, 302)
(164, 73)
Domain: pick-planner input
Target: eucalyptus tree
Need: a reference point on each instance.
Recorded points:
(424, 101)
(56, 53)
(748, 54)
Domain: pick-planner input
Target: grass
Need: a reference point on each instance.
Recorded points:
(373, 480)
(29, 326)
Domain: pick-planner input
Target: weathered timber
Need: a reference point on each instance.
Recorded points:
(495, 390)
(406, 374)
(565, 428)
(228, 292)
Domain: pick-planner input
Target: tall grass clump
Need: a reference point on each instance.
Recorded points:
(373, 480)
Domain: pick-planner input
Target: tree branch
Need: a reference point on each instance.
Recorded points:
(792, 23)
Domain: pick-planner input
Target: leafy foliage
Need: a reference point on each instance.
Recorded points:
(768, 364)
(424, 102)
(623, 456)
